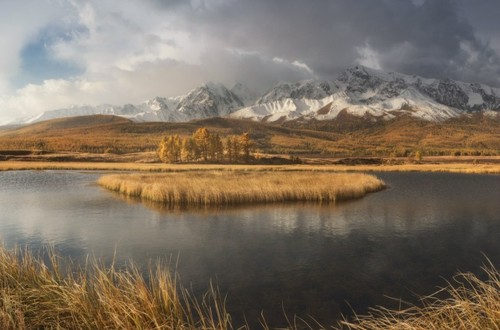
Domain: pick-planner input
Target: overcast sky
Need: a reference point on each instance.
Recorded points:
(55, 53)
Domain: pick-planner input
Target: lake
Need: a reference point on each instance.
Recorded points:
(305, 259)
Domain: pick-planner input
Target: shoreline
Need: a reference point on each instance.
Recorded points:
(466, 168)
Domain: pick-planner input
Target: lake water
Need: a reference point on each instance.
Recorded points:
(304, 259)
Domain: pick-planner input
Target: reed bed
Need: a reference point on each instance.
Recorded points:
(471, 304)
(216, 188)
(490, 168)
(45, 295)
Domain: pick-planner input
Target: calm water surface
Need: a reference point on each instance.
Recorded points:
(306, 259)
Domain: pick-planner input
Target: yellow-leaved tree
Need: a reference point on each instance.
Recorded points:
(206, 147)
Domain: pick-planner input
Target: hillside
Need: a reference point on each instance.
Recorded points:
(345, 136)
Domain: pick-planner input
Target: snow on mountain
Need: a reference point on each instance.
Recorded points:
(309, 89)
(365, 92)
(84, 110)
(208, 100)
(358, 91)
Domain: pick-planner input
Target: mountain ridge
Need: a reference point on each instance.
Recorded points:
(360, 91)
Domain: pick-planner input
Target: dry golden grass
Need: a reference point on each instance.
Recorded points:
(471, 304)
(218, 188)
(490, 168)
(36, 295)
(39, 295)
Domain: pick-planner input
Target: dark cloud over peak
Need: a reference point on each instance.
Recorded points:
(171, 46)
(431, 38)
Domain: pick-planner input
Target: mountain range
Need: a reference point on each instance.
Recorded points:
(358, 91)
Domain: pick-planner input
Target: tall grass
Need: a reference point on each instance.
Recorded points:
(471, 304)
(490, 168)
(39, 295)
(216, 188)
(46, 295)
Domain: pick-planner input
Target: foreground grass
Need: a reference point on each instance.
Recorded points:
(36, 295)
(490, 168)
(39, 295)
(471, 304)
(217, 188)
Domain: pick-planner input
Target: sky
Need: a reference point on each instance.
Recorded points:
(58, 53)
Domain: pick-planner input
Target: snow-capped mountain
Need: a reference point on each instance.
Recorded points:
(358, 91)
(208, 100)
(308, 89)
(370, 93)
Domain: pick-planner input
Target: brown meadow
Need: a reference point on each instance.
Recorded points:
(344, 137)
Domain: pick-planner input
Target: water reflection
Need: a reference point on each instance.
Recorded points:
(311, 259)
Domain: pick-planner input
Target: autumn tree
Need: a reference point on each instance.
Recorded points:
(236, 149)
(189, 150)
(169, 149)
(202, 140)
(203, 145)
(162, 150)
(229, 149)
(216, 148)
(245, 145)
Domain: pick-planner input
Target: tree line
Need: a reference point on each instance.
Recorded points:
(204, 146)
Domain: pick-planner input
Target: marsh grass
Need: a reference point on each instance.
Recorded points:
(54, 294)
(470, 304)
(486, 168)
(46, 295)
(223, 188)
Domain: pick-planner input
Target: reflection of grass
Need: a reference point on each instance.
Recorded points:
(35, 295)
(216, 188)
(491, 168)
(472, 304)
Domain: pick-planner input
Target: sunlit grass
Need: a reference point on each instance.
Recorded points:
(220, 188)
(37, 295)
(490, 168)
(47, 295)
(470, 304)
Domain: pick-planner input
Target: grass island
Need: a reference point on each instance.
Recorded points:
(225, 188)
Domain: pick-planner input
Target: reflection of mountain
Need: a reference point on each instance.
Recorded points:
(358, 91)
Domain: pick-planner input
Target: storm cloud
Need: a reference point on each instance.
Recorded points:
(58, 53)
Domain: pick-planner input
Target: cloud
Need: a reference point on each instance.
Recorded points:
(146, 80)
(20, 23)
(420, 37)
(128, 51)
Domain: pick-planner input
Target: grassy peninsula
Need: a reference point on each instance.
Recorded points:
(223, 188)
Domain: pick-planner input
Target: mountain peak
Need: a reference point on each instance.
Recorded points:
(304, 89)
(359, 91)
